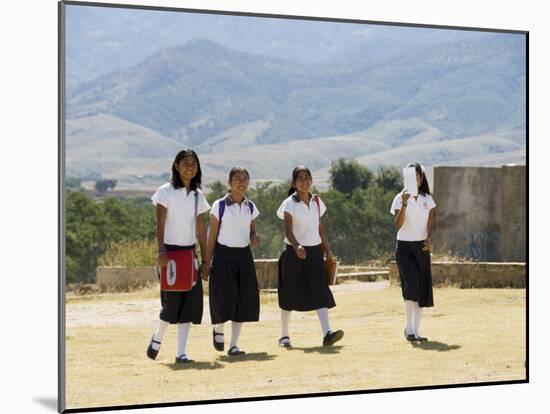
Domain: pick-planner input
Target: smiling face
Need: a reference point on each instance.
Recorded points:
(238, 183)
(187, 168)
(303, 182)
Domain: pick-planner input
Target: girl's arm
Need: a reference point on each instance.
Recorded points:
(162, 260)
(201, 235)
(210, 244)
(254, 240)
(400, 214)
(300, 251)
(324, 239)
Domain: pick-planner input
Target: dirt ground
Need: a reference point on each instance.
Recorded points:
(476, 335)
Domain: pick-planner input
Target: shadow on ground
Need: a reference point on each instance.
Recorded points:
(335, 349)
(435, 346)
(197, 365)
(256, 356)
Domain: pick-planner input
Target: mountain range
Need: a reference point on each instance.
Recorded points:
(458, 101)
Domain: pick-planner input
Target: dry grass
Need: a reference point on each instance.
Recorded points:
(476, 335)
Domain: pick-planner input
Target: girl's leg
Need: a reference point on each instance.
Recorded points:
(417, 317)
(218, 328)
(235, 332)
(159, 334)
(285, 320)
(322, 313)
(411, 312)
(183, 334)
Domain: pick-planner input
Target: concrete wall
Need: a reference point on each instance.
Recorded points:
(481, 212)
(123, 278)
(473, 275)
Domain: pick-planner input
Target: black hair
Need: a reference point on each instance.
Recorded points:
(423, 188)
(295, 173)
(235, 170)
(176, 179)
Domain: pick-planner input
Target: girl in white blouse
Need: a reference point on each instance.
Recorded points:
(180, 222)
(233, 287)
(415, 224)
(302, 282)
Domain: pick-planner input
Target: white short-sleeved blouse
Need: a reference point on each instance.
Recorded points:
(305, 219)
(415, 226)
(235, 226)
(179, 228)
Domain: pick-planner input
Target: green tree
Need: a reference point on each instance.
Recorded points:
(389, 178)
(216, 190)
(346, 176)
(103, 185)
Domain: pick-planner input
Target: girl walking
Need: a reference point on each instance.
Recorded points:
(415, 224)
(180, 222)
(233, 287)
(302, 283)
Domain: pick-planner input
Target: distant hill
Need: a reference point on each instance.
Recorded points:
(457, 102)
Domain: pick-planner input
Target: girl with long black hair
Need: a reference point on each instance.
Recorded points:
(180, 208)
(302, 282)
(415, 224)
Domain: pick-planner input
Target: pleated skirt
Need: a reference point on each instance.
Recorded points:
(233, 289)
(415, 272)
(302, 283)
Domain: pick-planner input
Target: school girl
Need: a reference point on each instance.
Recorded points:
(180, 221)
(233, 287)
(302, 282)
(415, 224)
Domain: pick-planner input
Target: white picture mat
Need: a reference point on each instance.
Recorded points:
(31, 145)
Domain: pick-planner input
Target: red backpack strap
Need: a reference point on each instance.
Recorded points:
(316, 198)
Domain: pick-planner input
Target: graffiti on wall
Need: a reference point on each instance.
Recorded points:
(482, 246)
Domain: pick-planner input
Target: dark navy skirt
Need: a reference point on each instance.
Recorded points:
(182, 307)
(233, 289)
(302, 284)
(415, 272)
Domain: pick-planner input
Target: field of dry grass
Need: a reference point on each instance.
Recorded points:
(476, 335)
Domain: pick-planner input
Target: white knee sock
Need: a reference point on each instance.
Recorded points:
(218, 328)
(285, 320)
(235, 332)
(159, 334)
(417, 316)
(183, 333)
(322, 313)
(410, 309)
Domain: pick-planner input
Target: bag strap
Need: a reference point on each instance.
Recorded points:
(316, 198)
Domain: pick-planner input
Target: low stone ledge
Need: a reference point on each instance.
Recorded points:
(473, 274)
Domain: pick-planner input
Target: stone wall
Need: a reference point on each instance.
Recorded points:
(481, 212)
(122, 278)
(473, 275)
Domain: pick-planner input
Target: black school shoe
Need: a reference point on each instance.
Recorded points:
(152, 353)
(332, 337)
(234, 351)
(183, 359)
(285, 342)
(218, 346)
(411, 337)
(421, 338)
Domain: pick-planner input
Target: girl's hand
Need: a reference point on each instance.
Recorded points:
(254, 240)
(328, 254)
(300, 251)
(427, 245)
(162, 259)
(405, 196)
(205, 271)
